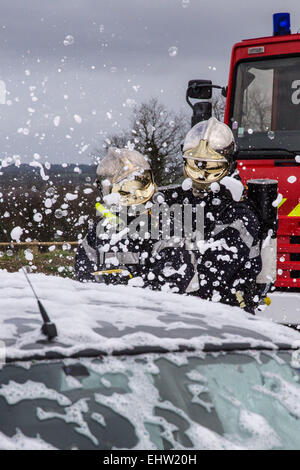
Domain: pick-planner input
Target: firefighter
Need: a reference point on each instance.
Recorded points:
(215, 254)
(222, 264)
(116, 247)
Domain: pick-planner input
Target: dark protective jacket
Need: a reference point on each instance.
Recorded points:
(103, 250)
(224, 265)
(219, 264)
(110, 258)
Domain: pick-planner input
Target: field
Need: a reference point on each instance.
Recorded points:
(54, 208)
(58, 262)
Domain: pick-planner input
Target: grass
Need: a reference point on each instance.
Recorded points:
(57, 262)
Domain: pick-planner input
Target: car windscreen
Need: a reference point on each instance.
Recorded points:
(173, 401)
(266, 104)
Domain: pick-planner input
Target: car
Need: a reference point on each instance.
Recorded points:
(135, 369)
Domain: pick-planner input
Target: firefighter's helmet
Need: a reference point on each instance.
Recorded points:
(126, 176)
(209, 153)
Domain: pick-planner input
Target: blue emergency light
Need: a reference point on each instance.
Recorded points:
(281, 24)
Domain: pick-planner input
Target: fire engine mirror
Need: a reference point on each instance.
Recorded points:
(202, 112)
(200, 89)
(224, 91)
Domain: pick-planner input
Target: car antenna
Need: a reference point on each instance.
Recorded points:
(48, 328)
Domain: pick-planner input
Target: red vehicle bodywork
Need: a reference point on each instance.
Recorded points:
(288, 262)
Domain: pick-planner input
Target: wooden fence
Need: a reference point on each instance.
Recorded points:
(35, 245)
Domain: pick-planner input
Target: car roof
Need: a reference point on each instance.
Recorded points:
(95, 319)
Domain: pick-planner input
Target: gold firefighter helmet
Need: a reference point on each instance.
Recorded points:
(125, 178)
(208, 152)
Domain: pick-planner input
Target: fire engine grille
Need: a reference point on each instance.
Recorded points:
(295, 240)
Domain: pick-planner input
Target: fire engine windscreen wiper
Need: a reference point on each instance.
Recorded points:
(269, 150)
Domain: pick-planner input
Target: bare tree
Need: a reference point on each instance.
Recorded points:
(157, 133)
(257, 111)
(218, 107)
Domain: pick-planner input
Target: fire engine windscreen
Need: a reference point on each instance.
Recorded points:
(266, 104)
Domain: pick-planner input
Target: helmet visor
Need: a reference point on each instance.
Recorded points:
(205, 165)
(136, 188)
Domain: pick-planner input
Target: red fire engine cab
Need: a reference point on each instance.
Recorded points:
(263, 110)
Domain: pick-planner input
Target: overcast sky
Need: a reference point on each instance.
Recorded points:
(74, 68)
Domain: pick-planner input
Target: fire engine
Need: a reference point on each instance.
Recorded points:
(263, 111)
